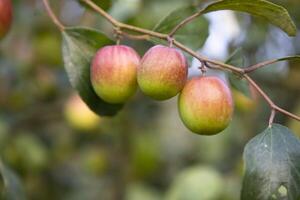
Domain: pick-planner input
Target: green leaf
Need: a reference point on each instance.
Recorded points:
(193, 34)
(79, 47)
(237, 59)
(104, 4)
(272, 166)
(13, 189)
(275, 14)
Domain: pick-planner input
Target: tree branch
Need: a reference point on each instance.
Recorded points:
(260, 91)
(135, 37)
(259, 65)
(161, 36)
(268, 62)
(291, 115)
(204, 59)
(121, 25)
(215, 64)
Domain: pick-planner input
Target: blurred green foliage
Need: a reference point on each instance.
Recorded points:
(144, 152)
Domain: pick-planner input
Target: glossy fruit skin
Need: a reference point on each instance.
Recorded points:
(162, 73)
(114, 73)
(205, 105)
(5, 17)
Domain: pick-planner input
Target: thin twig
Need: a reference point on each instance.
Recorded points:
(260, 91)
(184, 22)
(122, 25)
(268, 62)
(136, 37)
(202, 58)
(53, 16)
(287, 113)
(269, 101)
(259, 65)
(103, 13)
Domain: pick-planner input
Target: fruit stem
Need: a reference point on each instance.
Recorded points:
(203, 67)
(118, 35)
(171, 41)
(272, 116)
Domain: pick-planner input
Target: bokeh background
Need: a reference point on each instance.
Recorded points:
(53, 147)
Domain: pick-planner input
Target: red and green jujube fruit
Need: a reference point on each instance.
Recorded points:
(114, 73)
(205, 105)
(162, 73)
(5, 16)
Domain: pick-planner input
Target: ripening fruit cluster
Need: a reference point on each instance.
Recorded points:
(205, 104)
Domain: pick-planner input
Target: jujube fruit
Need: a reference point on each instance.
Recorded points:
(79, 116)
(197, 183)
(113, 73)
(162, 73)
(243, 102)
(5, 16)
(205, 105)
